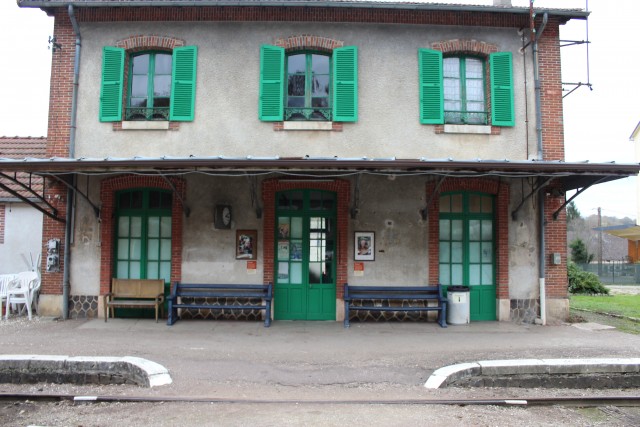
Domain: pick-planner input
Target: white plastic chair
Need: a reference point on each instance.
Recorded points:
(20, 290)
(5, 279)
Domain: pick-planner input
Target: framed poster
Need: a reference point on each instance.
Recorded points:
(246, 244)
(364, 246)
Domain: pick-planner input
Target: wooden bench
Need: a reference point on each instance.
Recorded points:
(394, 293)
(134, 293)
(190, 290)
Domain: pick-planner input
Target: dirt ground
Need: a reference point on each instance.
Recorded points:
(305, 373)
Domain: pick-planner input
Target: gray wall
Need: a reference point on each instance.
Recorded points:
(226, 121)
(389, 206)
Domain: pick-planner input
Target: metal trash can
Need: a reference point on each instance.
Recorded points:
(458, 307)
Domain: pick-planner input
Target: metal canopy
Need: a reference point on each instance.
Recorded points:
(562, 175)
(569, 175)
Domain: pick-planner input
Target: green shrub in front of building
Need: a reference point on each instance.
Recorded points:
(582, 282)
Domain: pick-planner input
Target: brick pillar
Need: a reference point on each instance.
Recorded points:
(556, 280)
(61, 89)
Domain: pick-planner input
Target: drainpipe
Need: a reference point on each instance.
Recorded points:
(66, 286)
(542, 251)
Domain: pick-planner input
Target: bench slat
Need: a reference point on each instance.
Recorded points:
(132, 302)
(221, 295)
(219, 307)
(392, 293)
(360, 295)
(206, 290)
(378, 308)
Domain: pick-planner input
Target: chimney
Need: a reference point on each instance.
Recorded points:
(502, 3)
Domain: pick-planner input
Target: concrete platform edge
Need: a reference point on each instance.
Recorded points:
(443, 376)
(139, 371)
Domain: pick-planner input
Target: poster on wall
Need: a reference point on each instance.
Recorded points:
(364, 244)
(246, 244)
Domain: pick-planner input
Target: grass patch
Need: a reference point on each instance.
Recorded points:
(624, 305)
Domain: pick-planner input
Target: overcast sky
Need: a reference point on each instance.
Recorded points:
(598, 123)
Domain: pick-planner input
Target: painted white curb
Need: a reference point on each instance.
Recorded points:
(140, 371)
(448, 374)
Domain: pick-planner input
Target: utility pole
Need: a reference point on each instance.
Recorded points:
(599, 242)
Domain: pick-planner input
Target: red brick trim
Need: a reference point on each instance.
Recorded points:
(469, 47)
(551, 92)
(108, 189)
(497, 188)
(2, 221)
(51, 229)
(309, 42)
(300, 14)
(142, 42)
(555, 241)
(341, 188)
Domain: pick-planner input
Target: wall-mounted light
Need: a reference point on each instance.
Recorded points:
(54, 45)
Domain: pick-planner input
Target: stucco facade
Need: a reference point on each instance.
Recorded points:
(367, 171)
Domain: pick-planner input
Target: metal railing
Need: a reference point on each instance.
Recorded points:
(310, 113)
(146, 113)
(466, 117)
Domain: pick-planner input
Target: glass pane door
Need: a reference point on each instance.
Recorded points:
(467, 249)
(304, 261)
(143, 239)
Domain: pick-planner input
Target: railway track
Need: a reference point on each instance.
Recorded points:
(581, 401)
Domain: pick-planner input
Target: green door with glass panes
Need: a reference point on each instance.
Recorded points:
(143, 239)
(305, 262)
(467, 249)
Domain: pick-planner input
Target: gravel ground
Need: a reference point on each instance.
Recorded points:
(305, 373)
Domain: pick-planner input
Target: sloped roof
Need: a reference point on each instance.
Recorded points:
(20, 148)
(376, 4)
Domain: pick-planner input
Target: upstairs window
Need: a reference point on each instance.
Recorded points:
(149, 87)
(453, 89)
(308, 86)
(464, 100)
(308, 82)
(160, 85)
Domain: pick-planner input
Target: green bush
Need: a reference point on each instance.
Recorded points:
(582, 282)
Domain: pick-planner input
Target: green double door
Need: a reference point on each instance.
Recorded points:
(467, 249)
(305, 256)
(143, 240)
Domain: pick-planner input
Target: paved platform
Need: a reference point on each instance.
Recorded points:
(246, 359)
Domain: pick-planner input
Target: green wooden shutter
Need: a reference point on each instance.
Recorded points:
(111, 86)
(345, 84)
(431, 88)
(271, 103)
(502, 107)
(183, 84)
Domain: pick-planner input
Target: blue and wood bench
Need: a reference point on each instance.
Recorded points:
(367, 296)
(202, 292)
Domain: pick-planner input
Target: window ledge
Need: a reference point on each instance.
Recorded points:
(308, 125)
(145, 125)
(469, 129)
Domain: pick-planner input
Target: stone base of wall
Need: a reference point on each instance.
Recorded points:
(391, 316)
(50, 305)
(557, 310)
(83, 306)
(216, 314)
(525, 310)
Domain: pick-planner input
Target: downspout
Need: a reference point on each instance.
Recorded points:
(541, 195)
(66, 286)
